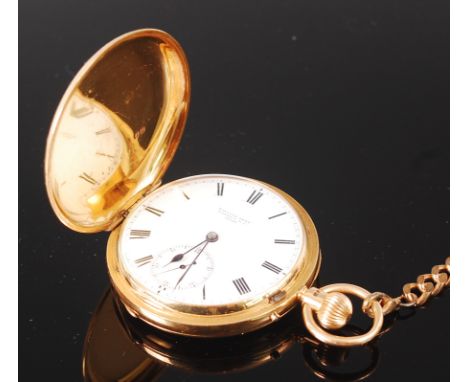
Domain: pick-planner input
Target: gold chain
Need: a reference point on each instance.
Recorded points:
(414, 294)
(328, 307)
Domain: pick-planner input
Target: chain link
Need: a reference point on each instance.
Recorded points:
(414, 294)
(328, 307)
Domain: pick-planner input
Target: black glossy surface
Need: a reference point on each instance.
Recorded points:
(343, 104)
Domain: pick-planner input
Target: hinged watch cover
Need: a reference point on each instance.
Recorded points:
(116, 129)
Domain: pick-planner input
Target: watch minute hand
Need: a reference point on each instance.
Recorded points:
(180, 256)
(210, 237)
(190, 265)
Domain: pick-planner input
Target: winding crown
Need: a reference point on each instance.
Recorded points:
(333, 309)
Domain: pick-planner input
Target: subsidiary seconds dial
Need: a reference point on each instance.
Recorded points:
(211, 240)
(170, 266)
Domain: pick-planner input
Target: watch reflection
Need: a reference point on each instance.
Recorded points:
(119, 347)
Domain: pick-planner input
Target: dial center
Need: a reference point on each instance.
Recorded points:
(212, 237)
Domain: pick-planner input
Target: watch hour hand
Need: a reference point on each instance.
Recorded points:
(210, 237)
(176, 258)
(180, 256)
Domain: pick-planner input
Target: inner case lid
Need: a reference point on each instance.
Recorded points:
(116, 129)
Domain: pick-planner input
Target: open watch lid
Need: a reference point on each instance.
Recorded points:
(116, 129)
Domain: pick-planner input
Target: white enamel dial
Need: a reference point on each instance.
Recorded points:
(210, 240)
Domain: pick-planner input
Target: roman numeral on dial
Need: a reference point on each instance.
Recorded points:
(241, 285)
(80, 112)
(88, 178)
(103, 131)
(220, 188)
(104, 155)
(272, 267)
(277, 215)
(281, 241)
(144, 260)
(139, 234)
(154, 211)
(254, 196)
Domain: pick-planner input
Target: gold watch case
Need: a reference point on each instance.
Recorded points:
(134, 90)
(130, 100)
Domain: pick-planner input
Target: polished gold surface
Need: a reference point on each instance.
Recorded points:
(326, 362)
(116, 129)
(414, 294)
(323, 309)
(213, 355)
(223, 320)
(333, 309)
(337, 340)
(119, 347)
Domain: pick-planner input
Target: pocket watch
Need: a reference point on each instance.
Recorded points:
(209, 255)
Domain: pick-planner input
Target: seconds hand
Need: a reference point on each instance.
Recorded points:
(181, 266)
(210, 238)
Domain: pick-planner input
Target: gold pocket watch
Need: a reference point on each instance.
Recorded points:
(209, 255)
